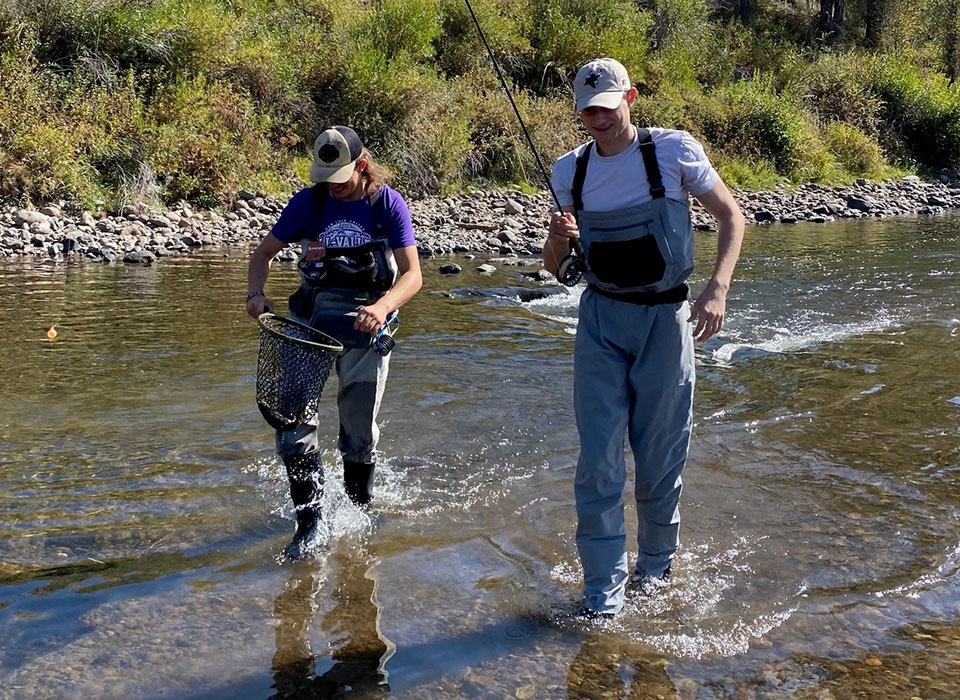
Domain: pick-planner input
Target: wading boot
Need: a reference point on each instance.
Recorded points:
(646, 584)
(358, 481)
(586, 613)
(305, 473)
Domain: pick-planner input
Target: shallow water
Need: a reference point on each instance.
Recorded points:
(143, 509)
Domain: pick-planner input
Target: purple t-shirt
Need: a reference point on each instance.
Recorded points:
(344, 224)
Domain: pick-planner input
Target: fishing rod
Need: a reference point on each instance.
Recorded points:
(572, 266)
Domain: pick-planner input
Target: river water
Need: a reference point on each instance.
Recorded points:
(142, 509)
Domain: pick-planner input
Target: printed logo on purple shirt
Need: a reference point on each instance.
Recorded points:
(344, 234)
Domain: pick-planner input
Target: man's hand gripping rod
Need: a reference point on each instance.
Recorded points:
(571, 268)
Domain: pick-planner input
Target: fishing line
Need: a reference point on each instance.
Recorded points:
(571, 267)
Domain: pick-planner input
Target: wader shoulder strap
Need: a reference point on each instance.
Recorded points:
(649, 153)
(320, 196)
(579, 175)
(378, 208)
(650, 164)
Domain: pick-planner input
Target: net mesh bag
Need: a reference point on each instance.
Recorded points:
(292, 368)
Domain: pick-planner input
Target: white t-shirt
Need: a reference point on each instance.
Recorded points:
(620, 181)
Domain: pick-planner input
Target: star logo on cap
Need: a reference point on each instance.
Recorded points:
(592, 79)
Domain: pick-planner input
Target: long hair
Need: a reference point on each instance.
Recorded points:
(375, 175)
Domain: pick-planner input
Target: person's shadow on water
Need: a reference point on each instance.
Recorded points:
(361, 650)
(608, 666)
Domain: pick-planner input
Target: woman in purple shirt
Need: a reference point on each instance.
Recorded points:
(358, 264)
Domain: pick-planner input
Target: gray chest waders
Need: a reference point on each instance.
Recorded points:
(633, 376)
(335, 281)
(641, 250)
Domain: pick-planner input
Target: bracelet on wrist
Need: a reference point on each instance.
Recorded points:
(255, 293)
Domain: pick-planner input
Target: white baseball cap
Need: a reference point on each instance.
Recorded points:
(600, 83)
(334, 153)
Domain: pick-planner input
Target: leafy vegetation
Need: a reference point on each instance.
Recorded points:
(108, 101)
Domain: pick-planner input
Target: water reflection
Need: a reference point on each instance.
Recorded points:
(358, 661)
(610, 666)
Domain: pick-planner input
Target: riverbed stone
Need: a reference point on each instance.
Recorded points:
(12, 243)
(28, 216)
(139, 256)
(513, 207)
(540, 275)
(862, 203)
(764, 216)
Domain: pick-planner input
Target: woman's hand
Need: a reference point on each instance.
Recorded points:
(259, 304)
(371, 318)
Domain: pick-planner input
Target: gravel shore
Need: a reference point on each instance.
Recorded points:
(482, 221)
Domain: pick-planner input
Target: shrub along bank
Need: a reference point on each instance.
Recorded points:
(104, 102)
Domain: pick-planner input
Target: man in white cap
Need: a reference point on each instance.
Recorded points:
(625, 196)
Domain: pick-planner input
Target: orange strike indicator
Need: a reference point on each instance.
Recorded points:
(52, 331)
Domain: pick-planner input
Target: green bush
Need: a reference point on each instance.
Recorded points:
(111, 100)
(921, 108)
(432, 149)
(399, 29)
(566, 34)
(53, 130)
(745, 172)
(857, 152)
(837, 89)
(671, 107)
(500, 152)
(752, 120)
(459, 49)
(681, 41)
(205, 141)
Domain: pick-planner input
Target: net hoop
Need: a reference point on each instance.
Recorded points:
(267, 322)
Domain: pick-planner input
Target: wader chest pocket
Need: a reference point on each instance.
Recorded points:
(632, 263)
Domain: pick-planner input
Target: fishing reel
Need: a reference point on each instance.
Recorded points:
(382, 341)
(570, 270)
(572, 266)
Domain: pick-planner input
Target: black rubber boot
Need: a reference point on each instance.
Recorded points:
(305, 473)
(358, 481)
(646, 584)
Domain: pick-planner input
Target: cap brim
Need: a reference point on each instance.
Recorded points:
(336, 175)
(610, 100)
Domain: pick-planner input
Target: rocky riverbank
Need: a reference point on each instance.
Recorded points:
(483, 221)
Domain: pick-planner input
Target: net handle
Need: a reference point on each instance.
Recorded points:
(332, 346)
